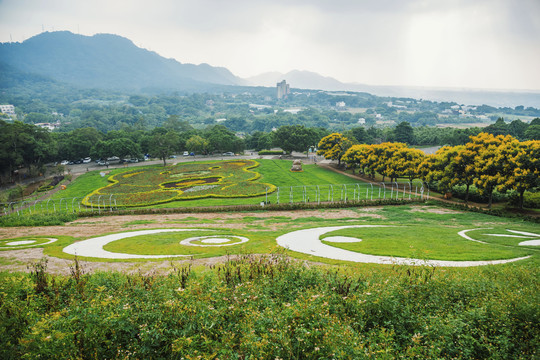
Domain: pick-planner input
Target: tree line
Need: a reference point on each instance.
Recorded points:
(31, 147)
(489, 162)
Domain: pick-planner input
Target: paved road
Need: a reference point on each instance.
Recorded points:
(82, 168)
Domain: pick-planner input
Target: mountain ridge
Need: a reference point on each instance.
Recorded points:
(106, 61)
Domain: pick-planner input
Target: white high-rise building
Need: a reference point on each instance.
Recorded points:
(282, 89)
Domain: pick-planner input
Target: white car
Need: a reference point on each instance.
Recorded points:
(185, 153)
(64, 162)
(86, 160)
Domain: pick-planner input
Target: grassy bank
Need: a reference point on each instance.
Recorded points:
(268, 308)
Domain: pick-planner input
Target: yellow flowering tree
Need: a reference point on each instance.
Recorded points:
(334, 146)
(358, 156)
(406, 161)
(489, 162)
(383, 154)
(521, 164)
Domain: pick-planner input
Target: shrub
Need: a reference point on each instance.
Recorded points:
(272, 152)
(530, 199)
(36, 219)
(475, 196)
(269, 307)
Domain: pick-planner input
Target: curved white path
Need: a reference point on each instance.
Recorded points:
(534, 239)
(26, 243)
(94, 247)
(214, 240)
(308, 241)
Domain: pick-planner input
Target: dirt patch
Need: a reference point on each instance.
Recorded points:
(88, 227)
(18, 260)
(433, 210)
(22, 261)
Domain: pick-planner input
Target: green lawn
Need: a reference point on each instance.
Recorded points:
(417, 231)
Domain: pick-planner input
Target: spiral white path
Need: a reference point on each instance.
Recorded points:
(308, 242)
(94, 247)
(26, 243)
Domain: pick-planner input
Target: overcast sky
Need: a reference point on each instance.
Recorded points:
(490, 44)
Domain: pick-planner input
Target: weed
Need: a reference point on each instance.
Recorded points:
(38, 274)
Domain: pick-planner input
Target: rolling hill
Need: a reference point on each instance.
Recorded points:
(106, 61)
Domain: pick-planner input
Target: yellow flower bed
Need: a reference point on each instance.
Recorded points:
(185, 181)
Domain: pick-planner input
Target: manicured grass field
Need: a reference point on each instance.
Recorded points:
(414, 231)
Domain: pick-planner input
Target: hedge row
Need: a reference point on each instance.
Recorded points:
(272, 152)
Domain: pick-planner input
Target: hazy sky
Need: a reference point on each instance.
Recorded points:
(446, 43)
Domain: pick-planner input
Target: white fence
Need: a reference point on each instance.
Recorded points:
(282, 195)
(347, 192)
(51, 206)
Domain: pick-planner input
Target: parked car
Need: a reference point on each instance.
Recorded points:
(191, 154)
(186, 153)
(228, 154)
(113, 160)
(86, 160)
(103, 163)
(64, 162)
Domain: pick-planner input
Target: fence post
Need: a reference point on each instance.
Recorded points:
(277, 194)
(291, 195)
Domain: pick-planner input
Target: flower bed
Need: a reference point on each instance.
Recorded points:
(183, 181)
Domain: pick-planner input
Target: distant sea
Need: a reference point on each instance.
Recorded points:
(496, 98)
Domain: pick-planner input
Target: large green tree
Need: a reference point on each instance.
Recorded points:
(404, 133)
(295, 138)
(163, 143)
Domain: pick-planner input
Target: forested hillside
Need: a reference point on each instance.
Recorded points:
(107, 61)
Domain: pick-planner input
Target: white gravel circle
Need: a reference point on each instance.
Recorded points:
(27, 243)
(22, 242)
(216, 240)
(94, 247)
(308, 241)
